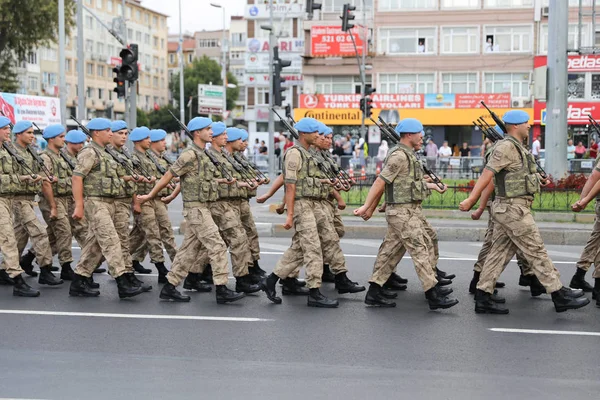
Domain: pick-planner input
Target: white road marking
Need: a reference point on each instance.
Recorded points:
(356, 242)
(545, 332)
(563, 254)
(133, 316)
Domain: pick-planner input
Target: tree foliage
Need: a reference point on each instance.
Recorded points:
(142, 118)
(161, 119)
(202, 71)
(26, 25)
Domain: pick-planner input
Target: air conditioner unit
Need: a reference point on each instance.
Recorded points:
(545, 11)
(518, 103)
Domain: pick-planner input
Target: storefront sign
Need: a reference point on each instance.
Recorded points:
(261, 11)
(583, 63)
(331, 41)
(295, 45)
(577, 113)
(43, 111)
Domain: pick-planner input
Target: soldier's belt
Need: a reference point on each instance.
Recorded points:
(516, 200)
(196, 204)
(24, 197)
(413, 205)
(98, 198)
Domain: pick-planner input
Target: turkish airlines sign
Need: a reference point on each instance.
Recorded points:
(585, 63)
(386, 101)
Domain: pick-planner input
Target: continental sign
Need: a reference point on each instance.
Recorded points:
(441, 116)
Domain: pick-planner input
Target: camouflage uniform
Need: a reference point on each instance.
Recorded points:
(249, 224)
(152, 228)
(101, 188)
(407, 227)
(199, 189)
(9, 185)
(516, 183)
(591, 251)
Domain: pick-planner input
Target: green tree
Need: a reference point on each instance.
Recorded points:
(26, 25)
(142, 118)
(202, 71)
(161, 119)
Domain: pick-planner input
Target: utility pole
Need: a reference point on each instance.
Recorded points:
(62, 88)
(126, 99)
(363, 77)
(271, 152)
(81, 108)
(181, 86)
(556, 116)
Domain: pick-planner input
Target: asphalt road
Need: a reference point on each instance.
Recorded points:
(57, 347)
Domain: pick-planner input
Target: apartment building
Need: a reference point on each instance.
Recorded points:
(208, 43)
(238, 30)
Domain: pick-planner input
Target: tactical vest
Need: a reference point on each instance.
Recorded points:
(62, 172)
(522, 182)
(308, 184)
(149, 167)
(249, 193)
(409, 188)
(9, 177)
(128, 189)
(227, 191)
(27, 187)
(200, 185)
(165, 164)
(326, 190)
(102, 180)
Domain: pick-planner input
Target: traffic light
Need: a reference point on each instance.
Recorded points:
(120, 81)
(129, 63)
(311, 6)
(347, 16)
(288, 110)
(366, 106)
(277, 80)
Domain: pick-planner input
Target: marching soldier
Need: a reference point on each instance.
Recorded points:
(403, 181)
(152, 228)
(11, 272)
(516, 181)
(314, 234)
(199, 186)
(97, 187)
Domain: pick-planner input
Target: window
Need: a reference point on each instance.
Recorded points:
(162, 83)
(147, 59)
(515, 39)
(68, 65)
(155, 82)
(119, 9)
(146, 18)
(109, 5)
(280, 26)
(155, 61)
(406, 83)
(458, 40)
(171, 58)
(111, 49)
(572, 40)
(162, 44)
(90, 92)
(190, 57)
(208, 43)
(100, 48)
(261, 96)
(147, 38)
(49, 54)
(238, 39)
(517, 83)
(128, 12)
(98, 3)
(129, 33)
(100, 70)
(32, 57)
(89, 69)
(49, 78)
(138, 15)
(88, 2)
(507, 3)
(154, 20)
(460, 3)
(459, 83)
(338, 84)
(138, 36)
(89, 22)
(33, 84)
(155, 41)
(147, 100)
(404, 5)
(407, 41)
(89, 46)
(100, 93)
(576, 86)
(338, 5)
(595, 87)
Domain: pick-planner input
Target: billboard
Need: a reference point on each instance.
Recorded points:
(261, 11)
(331, 41)
(43, 111)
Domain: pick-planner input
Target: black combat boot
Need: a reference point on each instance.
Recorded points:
(22, 289)
(91, 283)
(139, 268)
(244, 284)
(443, 291)
(126, 288)
(269, 286)
(138, 282)
(388, 294)
(399, 279)
(257, 270)
(474, 282)
(66, 272)
(484, 304)
(297, 282)
(535, 287)
(192, 282)
(5, 279)
(290, 286)
(225, 295)
(578, 281)
(327, 276)
(162, 272)
(444, 282)
(99, 269)
(48, 278)
(444, 275)
(79, 287)
(377, 297)
(436, 300)
(170, 292)
(563, 301)
(499, 285)
(393, 284)
(496, 298)
(525, 280)
(26, 263)
(596, 292)
(317, 299)
(206, 275)
(345, 285)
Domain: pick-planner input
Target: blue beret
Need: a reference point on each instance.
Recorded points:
(118, 125)
(244, 135)
(52, 131)
(307, 125)
(409, 125)
(21, 126)
(98, 124)
(322, 128)
(515, 117)
(75, 137)
(139, 133)
(499, 130)
(156, 135)
(218, 128)
(199, 123)
(4, 121)
(233, 134)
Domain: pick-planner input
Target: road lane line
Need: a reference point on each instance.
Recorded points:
(544, 332)
(133, 316)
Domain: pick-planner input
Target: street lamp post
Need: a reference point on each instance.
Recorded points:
(223, 61)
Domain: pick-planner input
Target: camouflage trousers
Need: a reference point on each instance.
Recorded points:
(407, 231)
(514, 228)
(315, 236)
(27, 227)
(8, 243)
(201, 236)
(151, 231)
(338, 224)
(103, 239)
(487, 245)
(250, 228)
(591, 251)
(63, 228)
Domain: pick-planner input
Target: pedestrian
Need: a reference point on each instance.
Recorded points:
(593, 149)
(465, 154)
(256, 147)
(431, 154)
(288, 143)
(570, 149)
(536, 148)
(263, 151)
(359, 151)
(580, 150)
(444, 153)
(382, 153)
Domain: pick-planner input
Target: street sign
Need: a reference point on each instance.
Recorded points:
(210, 99)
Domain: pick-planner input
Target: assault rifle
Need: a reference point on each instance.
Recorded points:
(8, 146)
